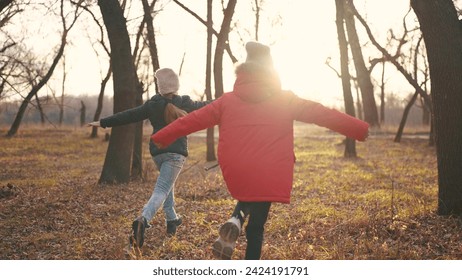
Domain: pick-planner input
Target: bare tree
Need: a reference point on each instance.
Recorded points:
(60, 100)
(222, 45)
(117, 164)
(210, 152)
(391, 58)
(137, 162)
(8, 9)
(107, 76)
(382, 94)
(408, 107)
(222, 40)
(257, 8)
(148, 8)
(227, 48)
(66, 29)
(83, 112)
(350, 144)
(363, 75)
(443, 40)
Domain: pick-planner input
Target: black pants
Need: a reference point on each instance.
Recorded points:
(258, 214)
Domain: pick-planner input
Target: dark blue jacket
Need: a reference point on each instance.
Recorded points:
(153, 110)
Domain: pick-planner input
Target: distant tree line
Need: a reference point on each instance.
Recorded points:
(51, 111)
(73, 105)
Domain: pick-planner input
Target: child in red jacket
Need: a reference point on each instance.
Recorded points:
(255, 147)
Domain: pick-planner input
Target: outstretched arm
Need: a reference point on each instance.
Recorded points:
(129, 116)
(189, 105)
(313, 112)
(205, 117)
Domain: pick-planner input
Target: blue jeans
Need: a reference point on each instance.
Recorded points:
(169, 165)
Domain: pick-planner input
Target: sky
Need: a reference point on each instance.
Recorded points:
(301, 41)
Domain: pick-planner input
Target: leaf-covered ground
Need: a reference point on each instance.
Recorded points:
(381, 205)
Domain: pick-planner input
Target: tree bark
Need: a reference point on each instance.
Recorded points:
(137, 158)
(402, 123)
(257, 10)
(118, 159)
(382, 95)
(40, 109)
(222, 39)
(350, 144)
(99, 105)
(83, 112)
(210, 153)
(151, 35)
(371, 115)
(443, 39)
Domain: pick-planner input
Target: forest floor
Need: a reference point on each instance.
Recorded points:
(379, 206)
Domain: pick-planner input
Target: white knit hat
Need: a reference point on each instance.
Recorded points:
(167, 81)
(259, 53)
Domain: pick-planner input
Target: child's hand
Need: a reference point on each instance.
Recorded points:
(94, 124)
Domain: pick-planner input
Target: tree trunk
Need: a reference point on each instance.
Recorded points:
(99, 106)
(382, 95)
(257, 10)
(83, 112)
(210, 153)
(40, 109)
(371, 115)
(151, 35)
(63, 89)
(443, 39)
(118, 161)
(350, 144)
(392, 59)
(137, 158)
(222, 39)
(407, 109)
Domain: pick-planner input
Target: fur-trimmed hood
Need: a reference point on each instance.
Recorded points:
(255, 83)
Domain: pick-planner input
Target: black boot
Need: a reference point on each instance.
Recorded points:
(172, 225)
(138, 226)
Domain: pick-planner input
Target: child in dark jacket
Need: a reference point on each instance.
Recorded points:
(255, 146)
(169, 160)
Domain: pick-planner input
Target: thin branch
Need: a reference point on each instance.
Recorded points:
(204, 22)
(390, 58)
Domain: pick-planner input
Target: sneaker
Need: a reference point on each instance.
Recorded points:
(224, 246)
(172, 225)
(138, 226)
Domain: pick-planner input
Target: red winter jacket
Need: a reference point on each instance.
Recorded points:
(255, 148)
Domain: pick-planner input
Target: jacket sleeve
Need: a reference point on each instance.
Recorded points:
(313, 112)
(189, 105)
(126, 117)
(203, 118)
